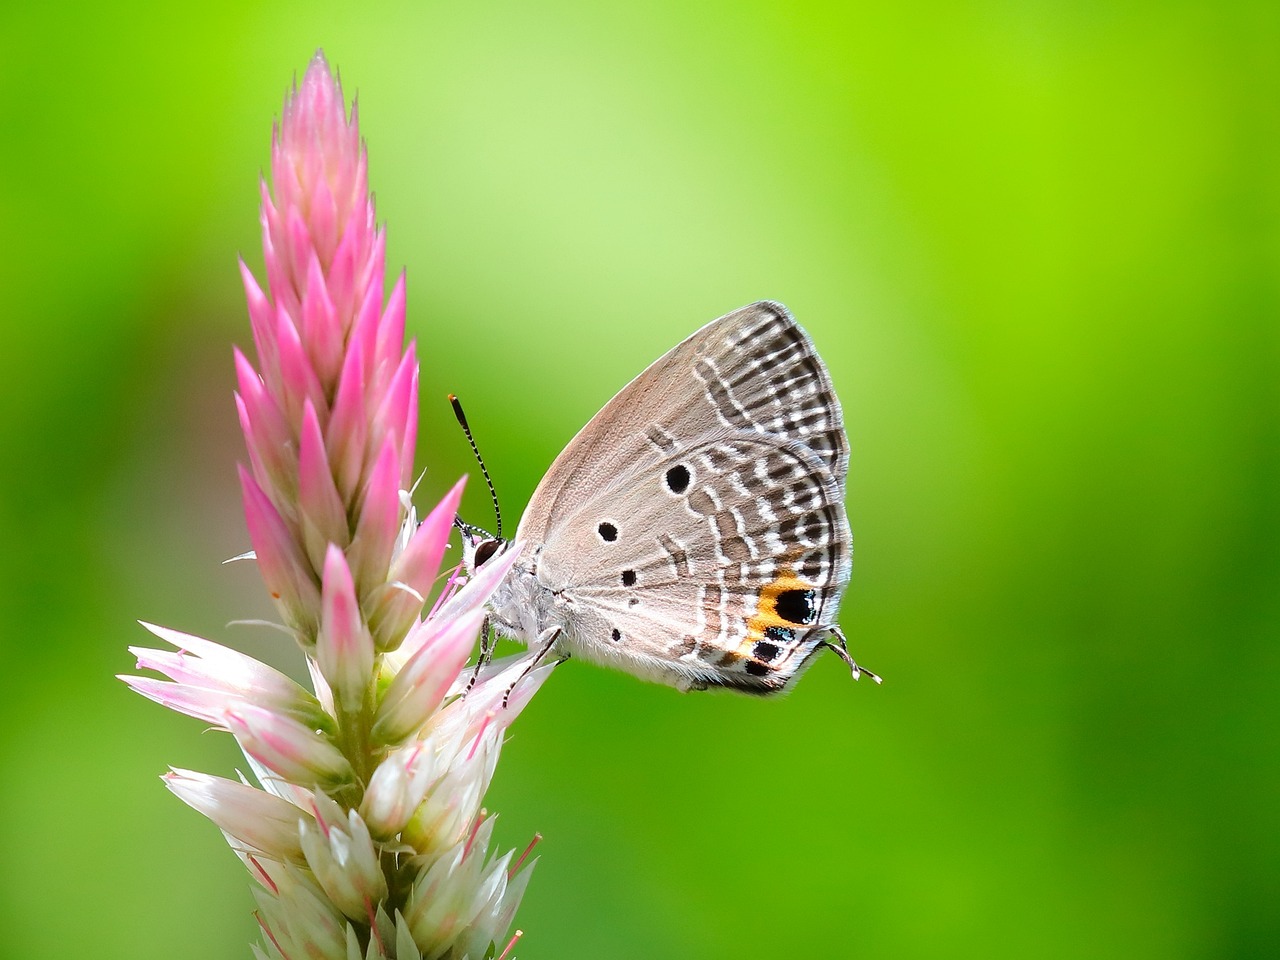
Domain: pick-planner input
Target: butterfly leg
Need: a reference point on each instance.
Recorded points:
(841, 650)
(548, 637)
(486, 654)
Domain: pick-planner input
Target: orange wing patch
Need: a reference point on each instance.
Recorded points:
(783, 606)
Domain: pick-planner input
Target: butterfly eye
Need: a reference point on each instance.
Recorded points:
(486, 550)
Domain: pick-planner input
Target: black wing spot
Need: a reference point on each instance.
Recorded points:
(628, 578)
(779, 635)
(764, 650)
(796, 606)
(617, 634)
(678, 479)
(608, 532)
(757, 669)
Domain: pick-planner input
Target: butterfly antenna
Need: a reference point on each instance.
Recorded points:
(484, 471)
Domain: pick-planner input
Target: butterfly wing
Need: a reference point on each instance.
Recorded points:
(695, 528)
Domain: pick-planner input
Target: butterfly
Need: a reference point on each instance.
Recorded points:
(693, 533)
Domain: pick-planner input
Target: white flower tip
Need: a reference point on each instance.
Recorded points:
(175, 638)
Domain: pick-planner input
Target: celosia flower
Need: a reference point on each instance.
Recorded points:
(365, 831)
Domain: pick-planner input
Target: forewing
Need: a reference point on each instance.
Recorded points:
(753, 370)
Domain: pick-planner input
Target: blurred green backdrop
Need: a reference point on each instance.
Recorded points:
(1039, 247)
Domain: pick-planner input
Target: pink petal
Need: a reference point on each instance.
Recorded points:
(421, 685)
(419, 562)
(266, 434)
(297, 251)
(202, 703)
(262, 821)
(287, 573)
(344, 649)
(391, 330)
(392, 415)
(322, 327)
(375, 535)
(282, 744)
(409, 441)
(318, 501)
(349, 426)
(341, 274)
(259, 469)
(210, 664)
(262, 319)
(322, 219)
(475, 593)
(298, 380)
(387, 804)
(370, 281)
(364, 328)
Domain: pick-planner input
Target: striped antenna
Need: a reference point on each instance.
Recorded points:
(484, 471)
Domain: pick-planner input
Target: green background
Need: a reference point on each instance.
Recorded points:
(1038, 244)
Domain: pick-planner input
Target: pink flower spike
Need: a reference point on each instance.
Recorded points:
(263, 822)
(364, 823)
(292, 751)
(320, 508)
(286, 571)
(344, 649)
(375, 535)
(422, 683)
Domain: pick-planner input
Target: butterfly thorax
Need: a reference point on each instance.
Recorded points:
(522, 606)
